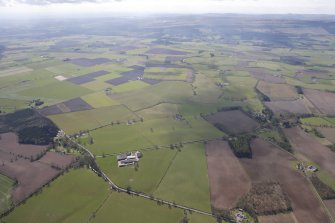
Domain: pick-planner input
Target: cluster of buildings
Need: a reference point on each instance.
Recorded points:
(127, 159)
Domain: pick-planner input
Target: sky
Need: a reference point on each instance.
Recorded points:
(24, 8)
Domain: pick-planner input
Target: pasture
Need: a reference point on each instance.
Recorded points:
(6, 186)
(186, 179)
(74, 122)
(74, 197)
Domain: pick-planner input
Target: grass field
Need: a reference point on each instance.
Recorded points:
(129, 86)
(56, 90)
(10, 105)
(186, 180)
(147, 177)
(116, 139)
(170, 131)
(124, 208)
(96, 85)
(70, 199)
(318, 121)
(6, 185)
(243, 89)
(99, 99)
(75, 121)
(173, 92)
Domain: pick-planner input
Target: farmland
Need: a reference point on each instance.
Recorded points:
(220, 159)
(209, 114)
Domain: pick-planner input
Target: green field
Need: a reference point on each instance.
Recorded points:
(125, 208)
(318, 121)
(146, 178)
(73, 122)
(55, 90)
(70, 199)
(186, 181)
(10, 105)
(129, 86)
(99, 99)
(173, 92)
(116, 139)
(6, 185)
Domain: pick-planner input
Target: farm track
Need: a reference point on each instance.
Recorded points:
(140, 194)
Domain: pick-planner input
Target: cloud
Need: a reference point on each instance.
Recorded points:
(48, 2)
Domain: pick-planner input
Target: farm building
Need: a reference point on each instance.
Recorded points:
(128, 159)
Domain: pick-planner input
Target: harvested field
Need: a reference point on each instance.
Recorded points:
(272, 164)
(227, 178)
(311, 149)
(234, 121)
(261, 74)
(50, 110)
(277, 92)
(278, 218)
(73, 105)
(324, 101)
(137, 71)
(120, 80)
(329, 133)
(331, 206)
(9, 144)
(57, 160)
(87, 77)
(77, 104)
(166, 51)
(289, 107)
(86, 62)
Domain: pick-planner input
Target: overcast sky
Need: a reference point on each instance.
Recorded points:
(51, 7)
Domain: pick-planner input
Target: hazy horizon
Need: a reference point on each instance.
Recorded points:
(34, 8)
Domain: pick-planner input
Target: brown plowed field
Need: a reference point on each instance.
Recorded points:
(227, 179)
(272, 164)
(289, 107)
(233, 121)
(311, 149)
(329, 133)
(324, 101)
(277, 92)
(279, 218)
(9, 144)
(30, 175)
(331, 207)
(56, 159)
